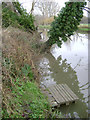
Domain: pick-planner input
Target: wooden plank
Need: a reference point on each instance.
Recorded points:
(70, 98)
(70, 92)
(56, 95)
(62, 93)
(51, 99)
(59, 96)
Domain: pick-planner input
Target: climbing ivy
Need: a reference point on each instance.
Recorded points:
(66, 23)
(17, 17)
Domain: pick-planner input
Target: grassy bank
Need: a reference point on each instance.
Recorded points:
(22, 97)
(44, 26)
(82, 27)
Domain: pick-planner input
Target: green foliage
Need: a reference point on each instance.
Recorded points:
(26, 71)
(26, 99)
(17, 17)
(44, 26)
(66, 22)
(30, 98)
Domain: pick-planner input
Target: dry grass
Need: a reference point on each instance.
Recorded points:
(84, 26)
(17, 46)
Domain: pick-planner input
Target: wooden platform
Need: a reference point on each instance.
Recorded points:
(60, 94)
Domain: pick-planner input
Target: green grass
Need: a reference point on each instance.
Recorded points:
(44, 26)
(33, 102)
(22, 97)
(84, 29)
(26, 99)
(85, 25)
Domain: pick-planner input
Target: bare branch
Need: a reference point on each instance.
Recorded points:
(86, 10)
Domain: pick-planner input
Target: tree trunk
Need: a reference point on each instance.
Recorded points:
(32, 9)
(45, 47)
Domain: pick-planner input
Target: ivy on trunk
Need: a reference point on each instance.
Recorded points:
(66, 23)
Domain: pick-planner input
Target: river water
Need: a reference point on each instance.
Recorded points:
(68, 65)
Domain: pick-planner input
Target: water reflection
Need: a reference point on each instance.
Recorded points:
(77, 57)
(46, 73)
(69, 65)
(44, 36)
(58, 70)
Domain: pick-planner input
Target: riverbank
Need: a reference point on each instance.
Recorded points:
(81, 27)
(84, 27)
(22, 97)
(68, 65)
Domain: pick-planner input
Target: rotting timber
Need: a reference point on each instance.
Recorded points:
(59, 94)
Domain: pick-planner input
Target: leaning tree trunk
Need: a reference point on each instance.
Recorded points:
(45, 47)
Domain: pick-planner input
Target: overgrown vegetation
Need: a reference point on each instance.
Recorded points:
(66, 23)
(19, 77)
(22, 97)
(15, 15)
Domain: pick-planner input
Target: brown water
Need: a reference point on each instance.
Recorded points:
(68, 65)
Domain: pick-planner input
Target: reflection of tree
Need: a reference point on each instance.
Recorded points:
(64, 73)
(75, 38)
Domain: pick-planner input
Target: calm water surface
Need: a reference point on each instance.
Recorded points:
(68, 65)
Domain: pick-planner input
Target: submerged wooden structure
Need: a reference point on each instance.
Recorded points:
(60, 94)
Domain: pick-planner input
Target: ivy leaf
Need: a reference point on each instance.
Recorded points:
(66, 23)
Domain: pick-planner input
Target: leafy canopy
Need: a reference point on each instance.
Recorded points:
(66, 22)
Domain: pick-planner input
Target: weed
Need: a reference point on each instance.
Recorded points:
(21, 96)
(24, 98)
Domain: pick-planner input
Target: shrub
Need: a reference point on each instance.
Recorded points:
(17, 17)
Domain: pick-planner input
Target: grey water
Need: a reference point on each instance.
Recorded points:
(68, 65)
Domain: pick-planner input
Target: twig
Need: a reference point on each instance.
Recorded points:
(77, 63)
(87, 10)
